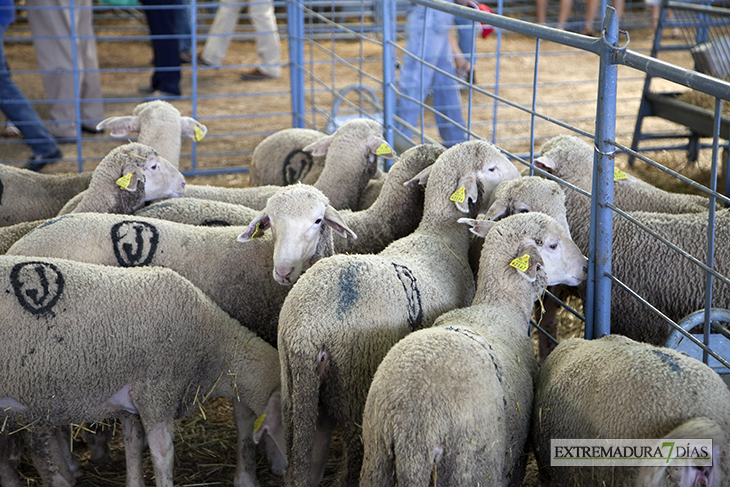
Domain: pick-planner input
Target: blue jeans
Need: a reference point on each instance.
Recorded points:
(16, 107)
(467, 36)
(435, 49)
(182, 24)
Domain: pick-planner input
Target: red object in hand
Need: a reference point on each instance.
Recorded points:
(486, 29)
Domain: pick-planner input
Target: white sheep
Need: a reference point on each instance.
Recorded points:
(28, 195)
(239, 277)
(351, 160)
(450, 404)
(280, 159)
(11, 234)
(346, 311)
(159, 125)
(158, 350)
(395, 214)
(615, 387)
(126, 178)
(638, 258)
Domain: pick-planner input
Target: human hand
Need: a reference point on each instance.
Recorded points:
(468, 3)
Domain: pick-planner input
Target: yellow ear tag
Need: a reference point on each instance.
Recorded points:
(124, 181)
(521, 263)
(618, 174)
(259, 232)
(258, 422)
(459, 195)
(198, 134)
(383, 149)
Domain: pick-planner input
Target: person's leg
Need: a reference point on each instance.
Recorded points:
(92, 111)
(55, 61)
(541, 11)
(591, 10)
(184, 28)
(162, 23)
(446, 97)
(224, 23)
(16, 107)
(410, 82)
(268, 44)
(619, 6)
(566, 7)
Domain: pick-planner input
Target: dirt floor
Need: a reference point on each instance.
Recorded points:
(205, 447)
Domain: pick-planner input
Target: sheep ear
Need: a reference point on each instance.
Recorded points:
(379, 147)
(497, 211)
(319, 147)
(421, 178)
(334, 220)
(131, 174)
(190, 127)
(477, 227)
(466, 190)
(528, 261)
(256, 228)
(544, 163)
(270, 422)
(120, 126)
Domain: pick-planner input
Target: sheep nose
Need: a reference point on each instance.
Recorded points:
(183, 184)
(284, 274)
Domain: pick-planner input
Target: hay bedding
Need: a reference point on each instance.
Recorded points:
(205, 448)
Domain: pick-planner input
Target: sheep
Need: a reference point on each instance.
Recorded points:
(449, 405)
(636, 255)
(615, 387)
(346, 311)
(159, 125)
(28, 195)
(156, 359)
(10, 235)
(239, 277)
(280, 160)
(126, 178)
(395, 213)
(351, 160)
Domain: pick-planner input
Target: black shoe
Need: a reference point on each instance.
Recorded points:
(145, 89)
(36, 163)
(91, 130)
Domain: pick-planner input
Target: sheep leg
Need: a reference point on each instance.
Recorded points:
(48, 457)
(276, 459)
(159, 437)
(133, 435)
(8, 473)
(98, 443)
(245, 452)
(63, 437)
(322, 439)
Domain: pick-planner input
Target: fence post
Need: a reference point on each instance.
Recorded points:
(388, 15)
(598, 302)
(295, 32)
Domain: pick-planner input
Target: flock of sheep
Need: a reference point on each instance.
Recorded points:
(392, 308)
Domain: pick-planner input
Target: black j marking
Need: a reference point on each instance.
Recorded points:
(37, 285)
(296, 165)
(134, 242)
(415, 312)
(1, 192)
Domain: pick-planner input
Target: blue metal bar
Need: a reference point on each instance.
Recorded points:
(534, 104)
(500, 10)
(711, 226)
(77, 81)
(295, 31)
(194, 74)
(388, 14)
(603, 178)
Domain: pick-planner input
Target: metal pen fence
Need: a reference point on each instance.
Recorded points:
(321, 69)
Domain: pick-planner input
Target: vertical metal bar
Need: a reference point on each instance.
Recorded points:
(711, 224)
(500, 11)
(77, 84)
(194, 75)
(388, 14)
(603, 179)
(295, 31)
(421, 87)
(534, 103)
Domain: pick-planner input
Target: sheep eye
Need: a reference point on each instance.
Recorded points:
(493, 168)
(318, 221)
(524, 210)
(154, 167)
(553, 246)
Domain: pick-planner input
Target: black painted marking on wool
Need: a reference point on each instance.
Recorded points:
(134, 243)
(668, 360)
(296, 165)
(25, 356)
(349, 286)
(481, 341)
(1, 192)
(52, 221)
(415, 310)
(215, 223)
(37, 285)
